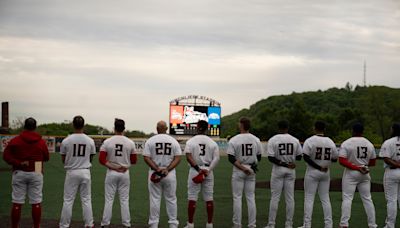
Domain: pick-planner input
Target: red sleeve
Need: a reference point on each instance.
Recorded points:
(344, 162)
(103, 157)
(8, 157)
(133, 158)
(46, 155)
(372, 162)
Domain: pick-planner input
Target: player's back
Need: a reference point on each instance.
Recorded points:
(77, 149)
(245, 147)
(202, 148)
(358, 150)
(119, 148)
(162, 149)
(284, 147)
(321, 150)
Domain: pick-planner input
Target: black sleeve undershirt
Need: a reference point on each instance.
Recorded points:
(311, 162)
(277, 161)
(231, 158)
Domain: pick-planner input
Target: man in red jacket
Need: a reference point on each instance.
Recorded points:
(26, 153)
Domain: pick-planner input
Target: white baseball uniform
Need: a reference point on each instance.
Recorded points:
(285, 148)
(205, 153)
(162, 149)
(357, 150)
(391, 179)
(245, 147)
(77, 149)
(321, 151)
(119, 149)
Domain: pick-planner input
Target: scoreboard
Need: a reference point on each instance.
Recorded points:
(183, 119)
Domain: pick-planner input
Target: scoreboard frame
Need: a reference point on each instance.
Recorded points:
(185, 112)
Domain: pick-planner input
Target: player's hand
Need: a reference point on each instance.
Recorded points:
(122, 169)
(291, 165)
(247, 171)
(324, 169)
(363, 169)
(204, 171)
(25, 163)
(164, 171)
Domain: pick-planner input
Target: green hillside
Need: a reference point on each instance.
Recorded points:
(377, 107)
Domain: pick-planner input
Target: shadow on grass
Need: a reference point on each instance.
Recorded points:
(336, 185)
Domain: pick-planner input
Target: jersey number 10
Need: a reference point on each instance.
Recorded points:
(79, 150)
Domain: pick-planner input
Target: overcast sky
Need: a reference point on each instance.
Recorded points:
(105, 59)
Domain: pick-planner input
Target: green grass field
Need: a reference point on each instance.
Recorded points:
(139, 206)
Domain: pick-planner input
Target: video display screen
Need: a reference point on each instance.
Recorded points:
(184, 118)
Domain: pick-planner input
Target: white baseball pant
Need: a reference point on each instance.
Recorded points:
(27, 182)
(207, 186)
(315, 180)
(391, 183)
(351, 180)
(282, 178)
(166, 187)
(242, 182)
(75, 180)
(116, 182)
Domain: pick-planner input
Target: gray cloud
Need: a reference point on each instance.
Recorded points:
(129, 58)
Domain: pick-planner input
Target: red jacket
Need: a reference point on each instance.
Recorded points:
(28, 146)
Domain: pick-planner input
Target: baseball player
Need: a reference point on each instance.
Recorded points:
(77, 151)
(318, 151)
(162, 154)
(26, 153)
(202, 153)
(244, 152)
(283, 151)
(117, 154)
(356, 154)
(390, 152)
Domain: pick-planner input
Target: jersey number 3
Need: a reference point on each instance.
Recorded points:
(202, 149)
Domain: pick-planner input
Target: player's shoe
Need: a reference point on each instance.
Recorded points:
(209, 225)
(189, 225)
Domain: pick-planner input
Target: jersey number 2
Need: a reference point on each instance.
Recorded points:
(118, 150)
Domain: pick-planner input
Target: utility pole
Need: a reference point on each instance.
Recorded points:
(365, 74)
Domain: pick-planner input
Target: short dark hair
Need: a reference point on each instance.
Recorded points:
(202, 126)
(119, 125)
(30, 124)
(245, 122)
(283, 125)
(395, 129)
(319, 125)
(358, 128)
(78, 122)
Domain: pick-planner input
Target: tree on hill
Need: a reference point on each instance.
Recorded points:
(377, 107)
